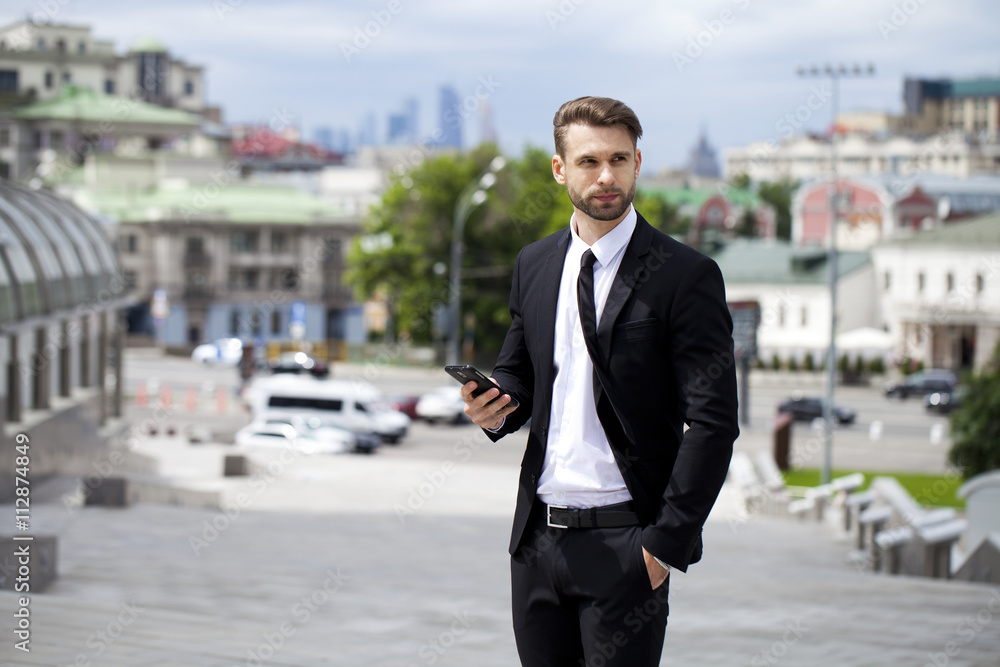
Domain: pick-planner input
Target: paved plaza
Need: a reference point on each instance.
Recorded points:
(399, 559)
(369, 561)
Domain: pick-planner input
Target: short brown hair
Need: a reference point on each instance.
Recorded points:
(596, 112)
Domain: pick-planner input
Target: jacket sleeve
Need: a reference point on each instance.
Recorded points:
(701, 353)
(513, 370)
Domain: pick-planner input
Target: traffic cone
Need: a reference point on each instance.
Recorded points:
(190, 399)
(220, 400)
(166, 396)
(141, 397)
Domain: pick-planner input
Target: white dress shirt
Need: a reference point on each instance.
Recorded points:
(579, 468)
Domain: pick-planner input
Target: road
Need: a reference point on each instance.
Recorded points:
(889, 434)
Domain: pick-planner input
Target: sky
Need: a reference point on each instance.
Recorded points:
(725, 67)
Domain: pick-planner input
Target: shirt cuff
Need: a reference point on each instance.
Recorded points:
(497, 429)
(665, 566)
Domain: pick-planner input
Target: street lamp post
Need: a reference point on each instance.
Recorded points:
(835, 74)
(472, 196)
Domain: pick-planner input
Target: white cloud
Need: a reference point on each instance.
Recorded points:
(264, 54)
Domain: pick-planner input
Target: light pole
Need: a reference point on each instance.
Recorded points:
(835, 73)
(472, 196)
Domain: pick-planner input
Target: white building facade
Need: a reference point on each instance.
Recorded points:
(809, 157)
(36, 60)
(939, 293)
(792, 288)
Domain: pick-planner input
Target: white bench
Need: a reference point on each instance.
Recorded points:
(982, 507)
(773, 481)
(871, 522)
(743, 475)
(854, 505)
(917, 541)
(818, 497)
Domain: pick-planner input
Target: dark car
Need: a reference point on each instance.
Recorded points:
(299, 362)
(922, 383)
(405, 404)
(944, 402)
(809, 408)
(366, 443)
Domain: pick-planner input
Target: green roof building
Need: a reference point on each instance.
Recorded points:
(716, 213)
(52, 137)
(791, 284)
(231, 258)
(66, 92)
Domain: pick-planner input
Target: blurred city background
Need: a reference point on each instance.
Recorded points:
(239, 241)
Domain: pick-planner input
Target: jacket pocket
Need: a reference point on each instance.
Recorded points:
(636, 330)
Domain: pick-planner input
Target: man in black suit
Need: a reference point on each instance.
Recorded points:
(620, 338)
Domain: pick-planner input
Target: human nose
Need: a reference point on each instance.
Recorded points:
(607, 175)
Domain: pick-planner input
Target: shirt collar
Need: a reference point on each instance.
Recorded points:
(612, 243)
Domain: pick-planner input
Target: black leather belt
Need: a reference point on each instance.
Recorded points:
(609, 516)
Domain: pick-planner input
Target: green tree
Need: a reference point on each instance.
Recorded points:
(661, 214)
(404, 249)
(779, 195)
(740, 181)
(747, 227)
(975, 425)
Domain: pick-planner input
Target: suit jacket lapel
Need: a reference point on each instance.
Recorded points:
(625, 280)
(548, 288)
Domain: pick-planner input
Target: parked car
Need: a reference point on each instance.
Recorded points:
(269, 435)
(354, 405)
(224, 351)
(921, 383)
(944, 402)
(317, 427)
(444, 404)
(299, 362)
(807, 408)
(405, 404)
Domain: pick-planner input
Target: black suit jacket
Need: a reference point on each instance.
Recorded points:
(666, 343)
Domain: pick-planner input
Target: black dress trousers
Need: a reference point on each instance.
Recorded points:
(581, 598)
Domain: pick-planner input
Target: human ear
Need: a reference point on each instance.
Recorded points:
(558, 169)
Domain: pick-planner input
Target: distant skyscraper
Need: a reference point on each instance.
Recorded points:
(367, 132)
(702, 161)
(488, 130)
(342, 141)
(323, 136)
(410, 109)
(450, 119)
(398, 130)
(403, 125)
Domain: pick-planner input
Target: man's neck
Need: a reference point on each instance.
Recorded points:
(590, 230)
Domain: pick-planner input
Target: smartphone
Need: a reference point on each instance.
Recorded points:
(467, 373)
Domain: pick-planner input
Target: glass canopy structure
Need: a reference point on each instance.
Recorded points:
(61, 305)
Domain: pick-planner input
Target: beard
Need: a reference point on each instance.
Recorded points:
(599, 210)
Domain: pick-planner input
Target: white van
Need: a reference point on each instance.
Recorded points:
(352, 405)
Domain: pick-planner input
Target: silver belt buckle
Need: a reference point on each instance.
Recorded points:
(548, 516)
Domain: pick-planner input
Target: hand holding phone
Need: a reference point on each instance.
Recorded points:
(467, 373)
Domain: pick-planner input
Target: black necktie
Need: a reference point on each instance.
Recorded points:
(585, 302)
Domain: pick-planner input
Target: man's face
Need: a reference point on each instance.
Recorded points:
(599, 170)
